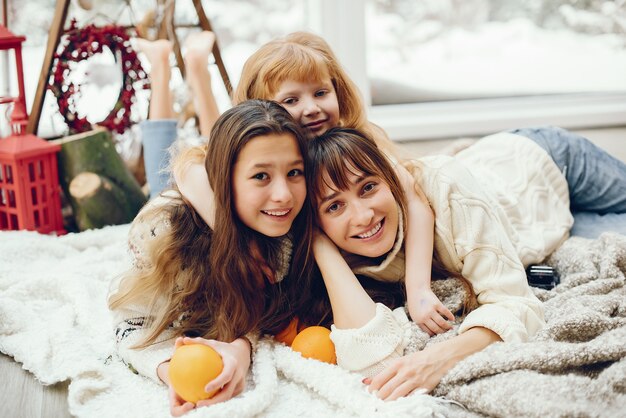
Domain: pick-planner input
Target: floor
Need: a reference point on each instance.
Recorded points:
(22, 396)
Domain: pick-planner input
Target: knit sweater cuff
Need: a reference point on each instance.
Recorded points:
(368, 349)
(146, 361)
(499, 320)
(253, 339)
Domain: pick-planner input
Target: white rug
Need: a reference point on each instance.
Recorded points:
(55, 321)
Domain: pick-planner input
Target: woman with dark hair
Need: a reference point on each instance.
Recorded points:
(503, 204)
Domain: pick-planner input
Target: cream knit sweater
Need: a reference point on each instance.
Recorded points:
(499, 205)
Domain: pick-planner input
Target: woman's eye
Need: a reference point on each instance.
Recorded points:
(334, 207)
(261, 176)
(295, 172)
(369, 187)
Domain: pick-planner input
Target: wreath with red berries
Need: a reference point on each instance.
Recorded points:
(81, 43)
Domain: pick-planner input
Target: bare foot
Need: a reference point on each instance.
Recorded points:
(157, 52)
(198, 47)
(158, 56)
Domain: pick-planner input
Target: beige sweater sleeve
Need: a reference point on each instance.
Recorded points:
(130, 329)
(369, 349)
(130, 322)
(472, 237)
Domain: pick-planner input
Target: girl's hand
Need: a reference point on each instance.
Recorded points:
(422, 370)
(178, 406)
(322, 243)
(232, 380)
(428, 312)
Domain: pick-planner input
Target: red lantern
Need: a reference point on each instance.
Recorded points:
(29, 181)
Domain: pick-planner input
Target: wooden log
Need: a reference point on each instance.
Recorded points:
(98, 199)
(94, 152)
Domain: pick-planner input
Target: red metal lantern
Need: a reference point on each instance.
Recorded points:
(29, 180)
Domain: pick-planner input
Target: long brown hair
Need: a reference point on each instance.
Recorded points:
(210, 283)
(236, 274)
(340, 152)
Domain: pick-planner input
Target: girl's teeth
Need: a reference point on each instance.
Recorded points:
(276, 213)
(371, 231)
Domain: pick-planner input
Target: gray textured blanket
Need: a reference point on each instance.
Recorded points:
(576, 365)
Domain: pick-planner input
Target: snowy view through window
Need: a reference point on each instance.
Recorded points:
(455, 49)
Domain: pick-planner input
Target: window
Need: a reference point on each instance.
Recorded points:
(438, 68)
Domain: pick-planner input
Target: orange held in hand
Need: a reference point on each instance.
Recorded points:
(315, 342)
(192, 367)
(287, 335)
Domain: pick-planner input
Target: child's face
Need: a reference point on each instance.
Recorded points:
(268, 184)
(361, 220)
(313, 104)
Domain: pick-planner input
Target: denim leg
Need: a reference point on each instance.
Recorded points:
(591, 225)
(596, 180)
(157, 136)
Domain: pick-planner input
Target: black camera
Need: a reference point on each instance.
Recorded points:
(544, 277)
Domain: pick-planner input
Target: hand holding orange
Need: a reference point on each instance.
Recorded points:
(314, 342)
(192, 367)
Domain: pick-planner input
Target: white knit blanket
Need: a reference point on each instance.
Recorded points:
(54, 320)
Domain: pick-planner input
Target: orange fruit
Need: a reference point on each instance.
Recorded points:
(314, 342)
(193, 366)
(287, 335)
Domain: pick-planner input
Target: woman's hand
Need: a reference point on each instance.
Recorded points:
(424, 369)
(428, 312)
(420, 370)
(232, 380)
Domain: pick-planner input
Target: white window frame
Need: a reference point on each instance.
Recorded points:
(342, 24)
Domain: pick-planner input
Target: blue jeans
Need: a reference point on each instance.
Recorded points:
(157, 136)
(596, 180)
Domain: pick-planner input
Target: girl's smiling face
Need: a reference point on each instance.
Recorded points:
(313, 105)
(363, 218)
(268, 183)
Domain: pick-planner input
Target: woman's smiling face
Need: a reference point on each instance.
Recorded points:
(362, 219)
